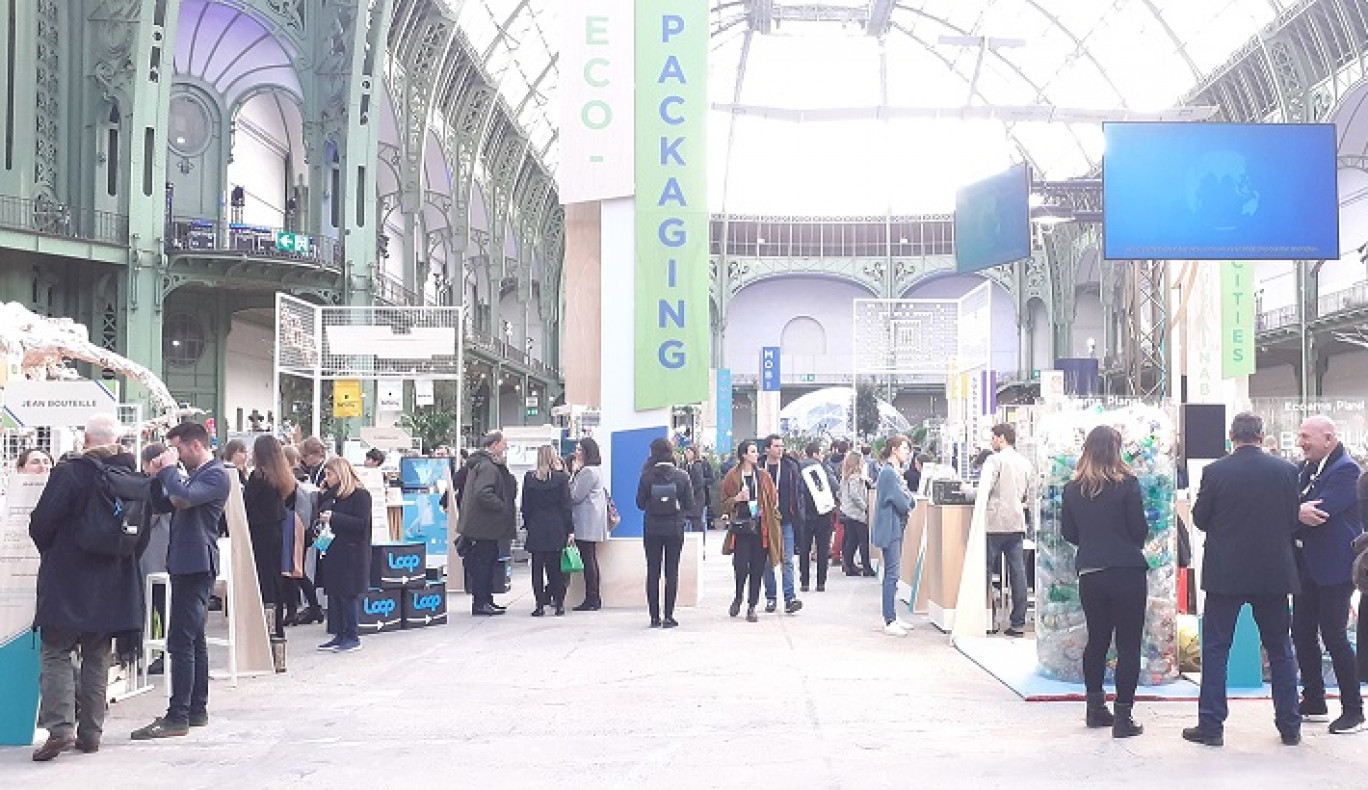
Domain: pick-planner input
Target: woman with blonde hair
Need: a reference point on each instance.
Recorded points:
(550, 527)
(1104, 515)
(854, 503)
(344, 507)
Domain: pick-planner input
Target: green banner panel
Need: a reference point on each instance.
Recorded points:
(671, 299)
(1237, 319)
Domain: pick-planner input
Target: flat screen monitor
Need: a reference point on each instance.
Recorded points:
(1217, 191)
(993, 221)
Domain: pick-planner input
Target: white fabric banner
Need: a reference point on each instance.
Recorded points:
(597, 110)
(18, 556)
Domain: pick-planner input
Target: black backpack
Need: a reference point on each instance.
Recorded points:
(113, 523)
(664, 499)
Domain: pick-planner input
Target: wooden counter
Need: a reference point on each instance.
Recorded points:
(622, 566)
(947, 538)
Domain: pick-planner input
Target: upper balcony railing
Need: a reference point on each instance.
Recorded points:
(48, 218)
(190, 235)
(1276, 319)
(1345, 299)
(509, 352)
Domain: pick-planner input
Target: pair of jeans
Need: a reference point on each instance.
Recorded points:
(589, 554)
(1010, 545)
(817, 531)
(548, 583)
(662, 550)
(1321, 613)
(892, 566)
(1218, 632)
(348, 616)
(749, 561)
(185, 642)
(1114, 605)
(856, 538)
(73, 701)
(480, 563)
(786, 560)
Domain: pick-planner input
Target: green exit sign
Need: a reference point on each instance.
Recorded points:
(809, 377)
(297, 243)
(532, 412)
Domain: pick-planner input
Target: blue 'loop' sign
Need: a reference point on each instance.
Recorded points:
(402, 562)
(381, 606)
(426, 602)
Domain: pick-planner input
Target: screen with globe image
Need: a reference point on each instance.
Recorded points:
(1214, 191)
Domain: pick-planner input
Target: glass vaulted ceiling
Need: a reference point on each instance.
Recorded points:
(1110, 58)
(517, 40)
(958, 81)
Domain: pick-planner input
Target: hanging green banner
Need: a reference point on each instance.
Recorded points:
(1237, 319)
(672, 334)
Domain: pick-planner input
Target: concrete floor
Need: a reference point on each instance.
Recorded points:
(821, 699)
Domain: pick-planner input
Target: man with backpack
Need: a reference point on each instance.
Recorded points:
(819, 504)
(195, 497)
(89, 588)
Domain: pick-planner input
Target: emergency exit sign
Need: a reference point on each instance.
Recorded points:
(296, 243)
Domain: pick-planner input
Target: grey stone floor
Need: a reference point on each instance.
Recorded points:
(821, 699)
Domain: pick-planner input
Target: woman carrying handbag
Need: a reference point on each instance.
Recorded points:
(750, 509)
(589, 509)
(546, 515)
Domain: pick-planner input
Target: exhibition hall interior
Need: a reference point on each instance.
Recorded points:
(696, 393)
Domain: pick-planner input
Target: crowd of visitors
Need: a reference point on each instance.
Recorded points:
(1273, 530)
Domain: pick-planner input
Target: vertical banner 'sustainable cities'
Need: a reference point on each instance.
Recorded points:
(672, 335)
(1237, 319)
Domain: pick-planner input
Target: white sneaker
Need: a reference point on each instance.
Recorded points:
(895, 628)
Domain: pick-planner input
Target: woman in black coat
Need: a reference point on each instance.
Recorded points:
(665, 495)
(345, 509)
(1104, 515)
(546, 516)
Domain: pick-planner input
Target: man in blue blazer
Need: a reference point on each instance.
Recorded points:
(195, 496)
(1328, 523)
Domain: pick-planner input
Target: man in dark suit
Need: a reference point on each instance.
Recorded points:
(1328, 522)
(196, 502)
(1247, 505)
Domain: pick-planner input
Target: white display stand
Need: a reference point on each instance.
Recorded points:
(367, 343)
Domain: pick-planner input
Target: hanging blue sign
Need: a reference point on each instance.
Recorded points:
(769, 369)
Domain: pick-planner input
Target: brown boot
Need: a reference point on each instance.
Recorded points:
(55, 745)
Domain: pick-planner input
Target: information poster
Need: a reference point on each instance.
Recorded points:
(19, 655)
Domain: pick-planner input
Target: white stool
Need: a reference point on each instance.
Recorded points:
(150, 645)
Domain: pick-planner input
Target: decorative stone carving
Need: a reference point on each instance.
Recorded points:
(114, 34)
(47, 116)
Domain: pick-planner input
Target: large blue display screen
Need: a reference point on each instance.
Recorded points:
(1194, 191)
(993, 221)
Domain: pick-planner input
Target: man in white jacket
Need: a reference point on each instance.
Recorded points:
(1007, 482)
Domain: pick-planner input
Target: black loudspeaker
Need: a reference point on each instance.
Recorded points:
(1204, 430)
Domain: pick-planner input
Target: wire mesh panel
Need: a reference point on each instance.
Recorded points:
(297, 343)
(976, 328)
(368, 342)
(905, 335)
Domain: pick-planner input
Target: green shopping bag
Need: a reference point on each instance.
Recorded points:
(571, 562)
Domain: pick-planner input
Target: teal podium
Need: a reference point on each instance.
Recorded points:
(19, 664)
(1245, 668)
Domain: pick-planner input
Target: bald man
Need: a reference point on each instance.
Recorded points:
(1329, 521)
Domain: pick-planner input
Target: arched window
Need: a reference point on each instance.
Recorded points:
(803, 335)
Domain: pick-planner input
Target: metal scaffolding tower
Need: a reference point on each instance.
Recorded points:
(1145, 349)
